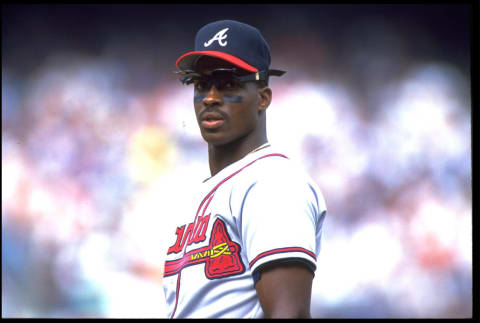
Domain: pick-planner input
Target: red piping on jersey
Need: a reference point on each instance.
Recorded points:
(282, 250)
(176, 295)
(201, 204)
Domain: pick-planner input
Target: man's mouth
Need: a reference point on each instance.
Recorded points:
(212, 124)
(212, 120)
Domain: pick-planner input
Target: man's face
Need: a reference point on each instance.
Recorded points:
(226, 109)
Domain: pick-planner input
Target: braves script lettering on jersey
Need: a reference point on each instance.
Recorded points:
(257, 210)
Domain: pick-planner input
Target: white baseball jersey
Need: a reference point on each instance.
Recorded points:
(257, 210)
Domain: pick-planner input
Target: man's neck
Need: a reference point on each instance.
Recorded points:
(222, 156)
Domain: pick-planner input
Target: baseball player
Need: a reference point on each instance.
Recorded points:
(248, 246)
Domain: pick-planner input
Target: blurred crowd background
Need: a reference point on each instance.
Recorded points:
(99, 143)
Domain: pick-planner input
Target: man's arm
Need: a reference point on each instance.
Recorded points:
(285, 290)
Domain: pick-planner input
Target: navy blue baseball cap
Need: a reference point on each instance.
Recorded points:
(235, 42)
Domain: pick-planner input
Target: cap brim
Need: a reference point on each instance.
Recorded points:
(187, 61)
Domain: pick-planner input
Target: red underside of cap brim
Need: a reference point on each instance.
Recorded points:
(227, 57)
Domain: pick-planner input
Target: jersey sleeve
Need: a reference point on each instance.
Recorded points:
(281, 221)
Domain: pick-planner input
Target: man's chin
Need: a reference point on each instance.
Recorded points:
(219, 139)
(215, 138)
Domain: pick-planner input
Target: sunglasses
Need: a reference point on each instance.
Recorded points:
(218, 77)
(221, 77)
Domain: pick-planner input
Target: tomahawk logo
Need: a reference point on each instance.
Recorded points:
(221, 257)
(220, 36)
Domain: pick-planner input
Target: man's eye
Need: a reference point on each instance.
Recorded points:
(201, 85)
(229, 85)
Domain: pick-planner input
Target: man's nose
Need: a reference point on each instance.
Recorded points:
(213, 97)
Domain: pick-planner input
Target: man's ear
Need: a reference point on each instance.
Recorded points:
(265, 97)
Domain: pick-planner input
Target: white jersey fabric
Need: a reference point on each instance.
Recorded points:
(255, 211)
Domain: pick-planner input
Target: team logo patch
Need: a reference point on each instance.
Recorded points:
(221, 257)
(220, 36)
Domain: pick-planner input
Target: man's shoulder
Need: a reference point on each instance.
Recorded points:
(277, 168)
(277, 176)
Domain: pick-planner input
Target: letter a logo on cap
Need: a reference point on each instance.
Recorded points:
(220, 36)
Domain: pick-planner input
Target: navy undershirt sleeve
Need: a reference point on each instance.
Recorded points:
(258, 272)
